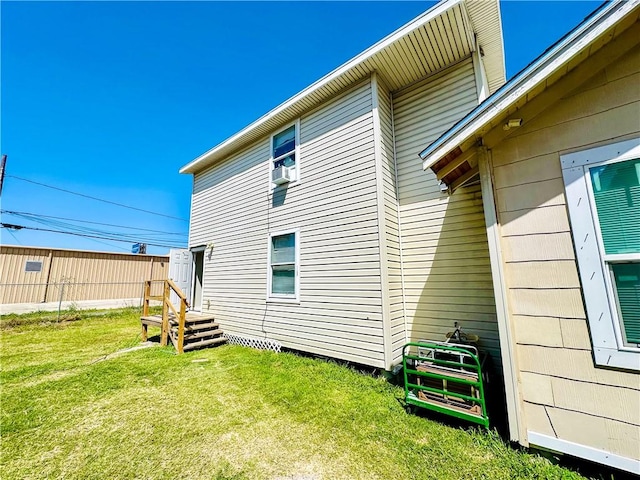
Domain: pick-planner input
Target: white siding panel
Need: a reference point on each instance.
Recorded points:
(392, 230)
(334, 208)
(447, 273)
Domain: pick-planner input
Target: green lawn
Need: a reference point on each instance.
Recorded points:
(71, 411)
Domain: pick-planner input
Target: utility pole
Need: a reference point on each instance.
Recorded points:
(3, 163)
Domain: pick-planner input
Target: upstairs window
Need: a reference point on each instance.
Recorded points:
(603, 198)
(284, 154)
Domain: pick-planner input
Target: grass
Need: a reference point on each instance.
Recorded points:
(71, 411)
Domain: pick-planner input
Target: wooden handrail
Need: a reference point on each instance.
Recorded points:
(168, 286)
(178, 292)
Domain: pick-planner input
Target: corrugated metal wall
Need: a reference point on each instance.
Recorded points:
(86, 275)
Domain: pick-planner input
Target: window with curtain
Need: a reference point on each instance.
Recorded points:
(616, 194)
(602, 187)
(283, 266)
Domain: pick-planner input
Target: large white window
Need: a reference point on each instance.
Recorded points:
(283, 275)
(285, 154)
(603, 197)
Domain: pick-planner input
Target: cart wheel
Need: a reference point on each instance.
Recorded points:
(408, 408)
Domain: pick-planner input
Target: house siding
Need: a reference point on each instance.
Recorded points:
(334, 206)
(563, 394)
(391, 225)
(445, 255)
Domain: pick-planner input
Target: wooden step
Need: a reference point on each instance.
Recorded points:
(204, 343)
(192, 320)
(197, 327)
(197, 317)
(153, 320)
(207, 333)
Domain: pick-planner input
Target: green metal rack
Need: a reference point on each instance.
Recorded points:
(446, 378)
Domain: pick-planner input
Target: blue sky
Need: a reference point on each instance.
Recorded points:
(110, 99)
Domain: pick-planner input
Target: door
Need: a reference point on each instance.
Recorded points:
(198, 271)
(180, 272)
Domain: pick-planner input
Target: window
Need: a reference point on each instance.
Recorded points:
(285, 151)
(603, 197)
(283, 266)
(33, 266)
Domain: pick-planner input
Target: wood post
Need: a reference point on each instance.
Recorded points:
(165, 315)
(147, 294)
(181, 322)
(48, 277)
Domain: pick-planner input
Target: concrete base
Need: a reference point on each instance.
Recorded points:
(79, 305)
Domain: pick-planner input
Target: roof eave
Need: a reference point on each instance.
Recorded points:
(238, 140)
(525, 81)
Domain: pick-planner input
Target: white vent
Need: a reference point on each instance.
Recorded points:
(280, 175)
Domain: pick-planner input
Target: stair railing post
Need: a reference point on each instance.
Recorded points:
(147, 294)
(183, 313)
(165, 315)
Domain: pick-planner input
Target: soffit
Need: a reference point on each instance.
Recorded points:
(440, 37)
(454, 154)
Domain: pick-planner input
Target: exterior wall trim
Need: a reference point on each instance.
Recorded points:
(606, 337)
(399, 220)
(581, 451)
(509, 367)
(482, 85)
(382, 238)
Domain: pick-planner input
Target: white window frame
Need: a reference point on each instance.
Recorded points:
(279, 297)
(272, 160)
(599, 293)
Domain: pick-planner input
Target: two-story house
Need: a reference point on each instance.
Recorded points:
(316, 226)
(410, 189)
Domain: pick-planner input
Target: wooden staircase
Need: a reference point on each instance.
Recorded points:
(186, 330)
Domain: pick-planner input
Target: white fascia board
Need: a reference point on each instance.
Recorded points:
(426, 17)
(526, 80)
(582, 451)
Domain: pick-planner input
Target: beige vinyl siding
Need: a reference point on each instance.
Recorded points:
(333, 206)
(564, 395)
(392, 231)
(446, 267)
(87, 275)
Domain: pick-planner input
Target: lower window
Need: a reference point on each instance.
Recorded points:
(603, 197)
(283, 266)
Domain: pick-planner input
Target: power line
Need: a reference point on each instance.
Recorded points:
(14, 236)
(134, 237)
(95, 198)
(21, 227)
(27, 215)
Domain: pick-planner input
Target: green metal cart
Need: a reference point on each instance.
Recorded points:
(445, 377)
